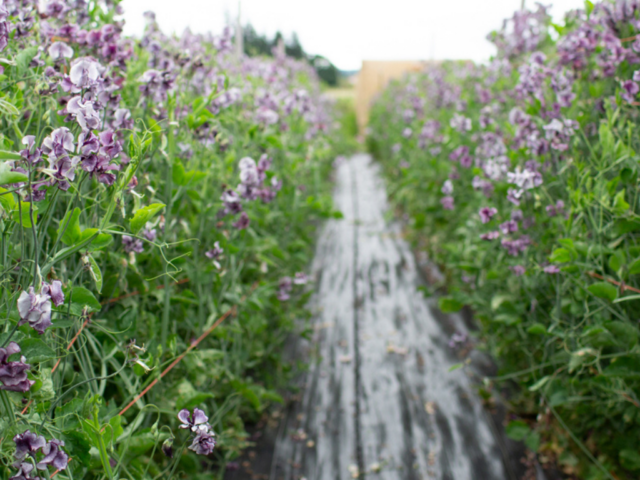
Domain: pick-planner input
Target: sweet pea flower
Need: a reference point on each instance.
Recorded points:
(551, 269)
(28, 443)
(203, 443)
(490, 235)
(132, 245)
(54, 456)
(242, 222)
(13, 375)
(300, 278)
(84, 72)
(447, 203)
(196, 422)
(447, 187)
(285, 286)
(59, 51)
(518, 270)
(487, 213)
(629, 91)
(35, 309)
(215, 252)
(54, 291)
(509, 227)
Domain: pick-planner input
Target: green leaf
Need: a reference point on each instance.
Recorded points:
(7, 200)
(250, 395)
(604, 290)
(533, 441)
(623, 332)
(100, 240)
(634, 268)
(630, 459)
(8, 108)
(449, 305)
(274, 141)
(96, 274)
(539, 384)
(455, 367)
(560, 255)
(620, 205)
(617, 260)
(72, 232)
(36, 351)
(25, 220)
(23, 59)
(84, 298)
(537, 329)
(178, 172)
(579, 357)
(113, 430)
(8, 177)
(143, 215)
(5, 155)
(517, 430)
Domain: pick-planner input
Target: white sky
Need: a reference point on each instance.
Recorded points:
(349, 31)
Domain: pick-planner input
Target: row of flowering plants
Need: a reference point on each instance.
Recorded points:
(519, 178)
(158, 198)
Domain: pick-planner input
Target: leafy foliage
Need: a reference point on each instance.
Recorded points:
(520, 180)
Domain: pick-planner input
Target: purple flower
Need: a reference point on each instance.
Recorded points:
(59, 141)
(525, 179)
(13, 375)
(630, 90)
(300, 278)
(54, 291)
(131, 244)
(486, 213)
(266, 116)
(509, 227)
(457, 340)
(231, 202)
(517, 246)
(285, 286)
(518, 270)
(447, 203)
(203, 443)
(54, 456)
(460, 123)
(551, 269)
(516, 215)
(215, 252)
(514, 196)
(59, 51)
(149, 232)
(57, 146)
(28, 443)
(557, 209)
(84, 113)
(490, 235)
(407, 132)
(156, 84)
(198, 422)
(242, 222)
(24, 473)
(447, 187)
(167, 448)
(559, 132)
(35, 309)
(31, 154)
(84, 72)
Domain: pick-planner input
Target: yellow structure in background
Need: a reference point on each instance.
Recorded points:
(373, 77)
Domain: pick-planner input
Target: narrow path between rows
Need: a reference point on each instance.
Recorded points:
(380, 400)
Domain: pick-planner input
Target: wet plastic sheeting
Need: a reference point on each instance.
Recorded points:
(380, 399)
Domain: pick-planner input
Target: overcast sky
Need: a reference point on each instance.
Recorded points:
(349, 31)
